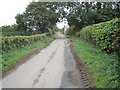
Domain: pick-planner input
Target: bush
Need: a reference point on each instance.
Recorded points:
(16, 42)
(71, 30)
(105, 35)
(14, 31)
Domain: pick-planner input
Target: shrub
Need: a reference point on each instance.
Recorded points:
(71, 31)
(105, 35)
(16, 42)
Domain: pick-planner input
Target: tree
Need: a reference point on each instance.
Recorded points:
(38, 16)
(84, 13)
(42, 16)
(21, 22)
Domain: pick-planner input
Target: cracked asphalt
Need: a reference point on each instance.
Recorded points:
(52, 67)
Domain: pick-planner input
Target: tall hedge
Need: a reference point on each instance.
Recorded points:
(16, 42)
(105, 35)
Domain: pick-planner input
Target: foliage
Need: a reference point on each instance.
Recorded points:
(71, 31)
(8, 30)
(102, 67)
(105, 35)
(84, 13)
(20, 20)
(53, 30)
(13, 56)
(12, 30)
(38, 16)
(43, 16)
(17, 42)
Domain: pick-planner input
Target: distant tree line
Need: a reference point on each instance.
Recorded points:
(42, 17)
(39, 17)
(82, 14)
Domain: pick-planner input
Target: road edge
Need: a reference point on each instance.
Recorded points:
(85, 75)
(24, 59)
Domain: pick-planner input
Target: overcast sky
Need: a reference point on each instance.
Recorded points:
(9, 9)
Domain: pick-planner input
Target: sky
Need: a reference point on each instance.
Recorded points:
(10, 8)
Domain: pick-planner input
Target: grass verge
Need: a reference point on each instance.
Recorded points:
(11, 57)
(101, 66)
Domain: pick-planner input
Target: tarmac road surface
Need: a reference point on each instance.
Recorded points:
(52, 67)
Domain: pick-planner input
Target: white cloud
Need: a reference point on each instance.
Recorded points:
(9, 9)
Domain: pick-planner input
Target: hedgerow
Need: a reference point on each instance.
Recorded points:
(106, 36)
(16, 42)
(14, 48)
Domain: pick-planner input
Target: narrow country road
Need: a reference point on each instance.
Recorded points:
(52, 67)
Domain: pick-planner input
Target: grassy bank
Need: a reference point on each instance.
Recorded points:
(12, 56)
(100, 65)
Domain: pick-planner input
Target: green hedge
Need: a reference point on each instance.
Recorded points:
(16, 42)
(105, 35)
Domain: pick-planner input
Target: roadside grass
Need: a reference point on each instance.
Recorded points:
(101, 66)
(11, 57)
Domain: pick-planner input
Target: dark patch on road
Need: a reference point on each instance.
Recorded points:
(70, 77)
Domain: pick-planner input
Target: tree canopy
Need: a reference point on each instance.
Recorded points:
(38, 16)
(84, 13)
(43, 16)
